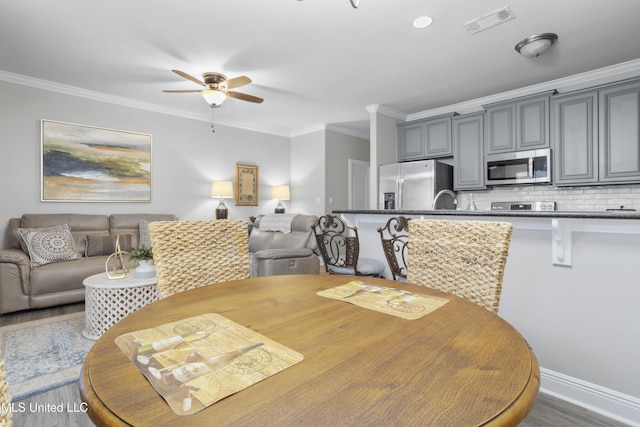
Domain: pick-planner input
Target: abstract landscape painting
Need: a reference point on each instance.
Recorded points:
(91, 164)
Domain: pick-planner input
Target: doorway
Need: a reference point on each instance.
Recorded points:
(358, 184)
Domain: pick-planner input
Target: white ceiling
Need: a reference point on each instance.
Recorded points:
(315, 62)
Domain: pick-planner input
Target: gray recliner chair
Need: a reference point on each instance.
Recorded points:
(274, 250)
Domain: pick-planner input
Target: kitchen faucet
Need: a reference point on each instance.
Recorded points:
(440, 193)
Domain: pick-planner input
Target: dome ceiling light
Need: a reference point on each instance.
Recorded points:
(534, 46)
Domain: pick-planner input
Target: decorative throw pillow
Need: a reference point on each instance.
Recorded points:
(48, 244)
(23, 244)
(145, 240)
(105, 244)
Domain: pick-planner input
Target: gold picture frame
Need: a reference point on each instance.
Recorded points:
(246, 191)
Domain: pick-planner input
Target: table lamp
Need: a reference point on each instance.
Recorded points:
(221, 189)
(280, 192)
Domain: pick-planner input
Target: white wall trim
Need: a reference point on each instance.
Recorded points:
(119, 100)
(389, 112)
(592, 78)
(347, 131)
(609, 403)
(603, 75)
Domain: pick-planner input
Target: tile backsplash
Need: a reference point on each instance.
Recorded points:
(594, 198)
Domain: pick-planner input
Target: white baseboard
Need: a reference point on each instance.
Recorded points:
(610, 403)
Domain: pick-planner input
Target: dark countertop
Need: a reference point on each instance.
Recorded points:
(522, 214)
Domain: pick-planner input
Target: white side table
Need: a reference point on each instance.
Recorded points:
(108, 301)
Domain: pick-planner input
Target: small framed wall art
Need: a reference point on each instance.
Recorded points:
(246, 185)
(91, 164)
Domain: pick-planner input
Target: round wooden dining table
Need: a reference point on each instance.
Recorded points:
(460, 365)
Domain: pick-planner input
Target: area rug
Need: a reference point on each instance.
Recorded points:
(43, 354)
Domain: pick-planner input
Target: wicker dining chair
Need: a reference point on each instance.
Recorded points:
(5, 399)
(339, 247)
(192, 254)
(465, 258)
(394, 239)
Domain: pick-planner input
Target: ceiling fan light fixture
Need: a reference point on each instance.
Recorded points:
(534, 46)
(214, 97)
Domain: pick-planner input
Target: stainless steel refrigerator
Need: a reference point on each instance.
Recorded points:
(413, 185)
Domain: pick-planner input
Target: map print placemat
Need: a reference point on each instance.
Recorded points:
(198, 361)
(397, 302)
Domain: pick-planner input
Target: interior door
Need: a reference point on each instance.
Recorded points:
(358, 184)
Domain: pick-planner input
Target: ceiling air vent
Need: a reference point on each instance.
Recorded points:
(489, 20)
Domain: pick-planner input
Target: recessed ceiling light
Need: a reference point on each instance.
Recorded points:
(422, 22)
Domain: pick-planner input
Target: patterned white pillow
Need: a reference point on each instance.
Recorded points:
(143, 228)
(48, 244)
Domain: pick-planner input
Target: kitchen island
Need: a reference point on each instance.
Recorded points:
(571, 287)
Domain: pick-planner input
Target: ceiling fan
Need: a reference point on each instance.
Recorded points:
(217, 88)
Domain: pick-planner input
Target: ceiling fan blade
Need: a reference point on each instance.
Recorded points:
(237, 82)
(188, 77)
(245, 97)
(182, 91)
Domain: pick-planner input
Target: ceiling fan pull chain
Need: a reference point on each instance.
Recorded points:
(213, 117)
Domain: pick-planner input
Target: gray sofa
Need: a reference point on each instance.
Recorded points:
(275, 252)
(25, 287)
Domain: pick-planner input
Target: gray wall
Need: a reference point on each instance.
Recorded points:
(339, 149)
(187, 156)
(307, 173)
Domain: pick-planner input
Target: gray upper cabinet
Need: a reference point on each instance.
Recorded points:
(468, 152)
(500, 128)
(574, 133)
(425, 139)
(619, 132)
(410, 137)
(519, 124)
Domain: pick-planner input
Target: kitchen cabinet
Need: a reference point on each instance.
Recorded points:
(468, 152)
(596, 135)
(574, 138)
(518, 124)
(425, 139)
(619, 132)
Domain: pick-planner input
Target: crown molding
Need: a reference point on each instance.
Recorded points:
(584, 80)
(387, 111)
(347, 131)
(311, 129)
(118, 100)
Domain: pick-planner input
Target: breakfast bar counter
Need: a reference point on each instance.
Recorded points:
(561, 224)
(616, 214)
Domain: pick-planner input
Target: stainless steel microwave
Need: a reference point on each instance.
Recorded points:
(520, 167)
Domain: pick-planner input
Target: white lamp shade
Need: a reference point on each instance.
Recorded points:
(214, 97)
(280, 192)
(221, 189)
